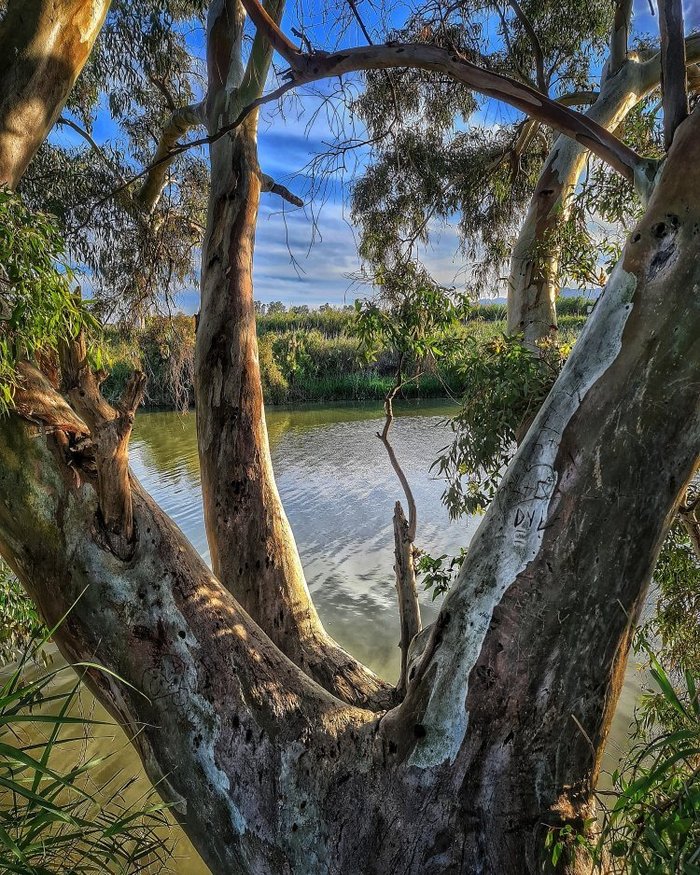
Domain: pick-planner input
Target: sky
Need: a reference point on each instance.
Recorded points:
(301, 262)
(309, 255)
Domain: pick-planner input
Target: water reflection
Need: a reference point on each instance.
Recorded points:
(339, 492)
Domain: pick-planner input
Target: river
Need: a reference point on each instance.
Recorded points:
(338, 490)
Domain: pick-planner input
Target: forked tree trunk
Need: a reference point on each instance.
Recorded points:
(252, 546)
(533, 282)
(501, 732)
(44, 45)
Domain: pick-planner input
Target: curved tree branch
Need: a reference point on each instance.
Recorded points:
(179, 123)
(534, 42)
(306, 68)
(404, 539)
(649, 72)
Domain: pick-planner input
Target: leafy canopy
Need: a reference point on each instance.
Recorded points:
(39, 305)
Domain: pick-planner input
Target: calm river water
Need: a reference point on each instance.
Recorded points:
(339, 491)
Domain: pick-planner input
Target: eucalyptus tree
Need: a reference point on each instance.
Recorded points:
(278, 757)
(141, 79)
(44, 49)
(433, 159)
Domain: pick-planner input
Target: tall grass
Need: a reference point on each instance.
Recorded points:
(55, 819)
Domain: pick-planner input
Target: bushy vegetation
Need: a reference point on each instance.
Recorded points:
(503, 386)
(312, 355)
(653, 824)
(39, 301)
(20, 621)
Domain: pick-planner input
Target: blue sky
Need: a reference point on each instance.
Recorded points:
(322, 262)
(309, 256)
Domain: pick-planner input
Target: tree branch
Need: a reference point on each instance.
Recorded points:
(106, 160)
(37, 401)
(406, 590)
(267, 183)
(619, 37)
(674, 86)
(306, 68)
(651, 67)
(404, 538)
(260, 58)
(534, 42)
(110, 431)
(181, 121)
(554, 113)
(266, 24)
(383, 436)
(358, 18)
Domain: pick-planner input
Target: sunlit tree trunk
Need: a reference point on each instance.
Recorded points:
(252, 546)
(533, 282)
(44, 45)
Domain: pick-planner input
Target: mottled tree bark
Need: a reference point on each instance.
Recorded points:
(252, 546)
(44, 45)
(528, 655)
(501, 732)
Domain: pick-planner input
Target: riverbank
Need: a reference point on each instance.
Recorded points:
(306, 356)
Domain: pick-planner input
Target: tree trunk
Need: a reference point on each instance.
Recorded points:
(406, 590)
(501, 732)
(530, 657)
(251, 543)
(44, 45)
(533, 283)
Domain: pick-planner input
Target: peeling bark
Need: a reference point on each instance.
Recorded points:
(251, 543)
(230, 731)
(44, 45)
(110, 431)
(536, 632)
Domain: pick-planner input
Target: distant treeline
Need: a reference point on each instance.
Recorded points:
(305, 355)
(331, 321)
